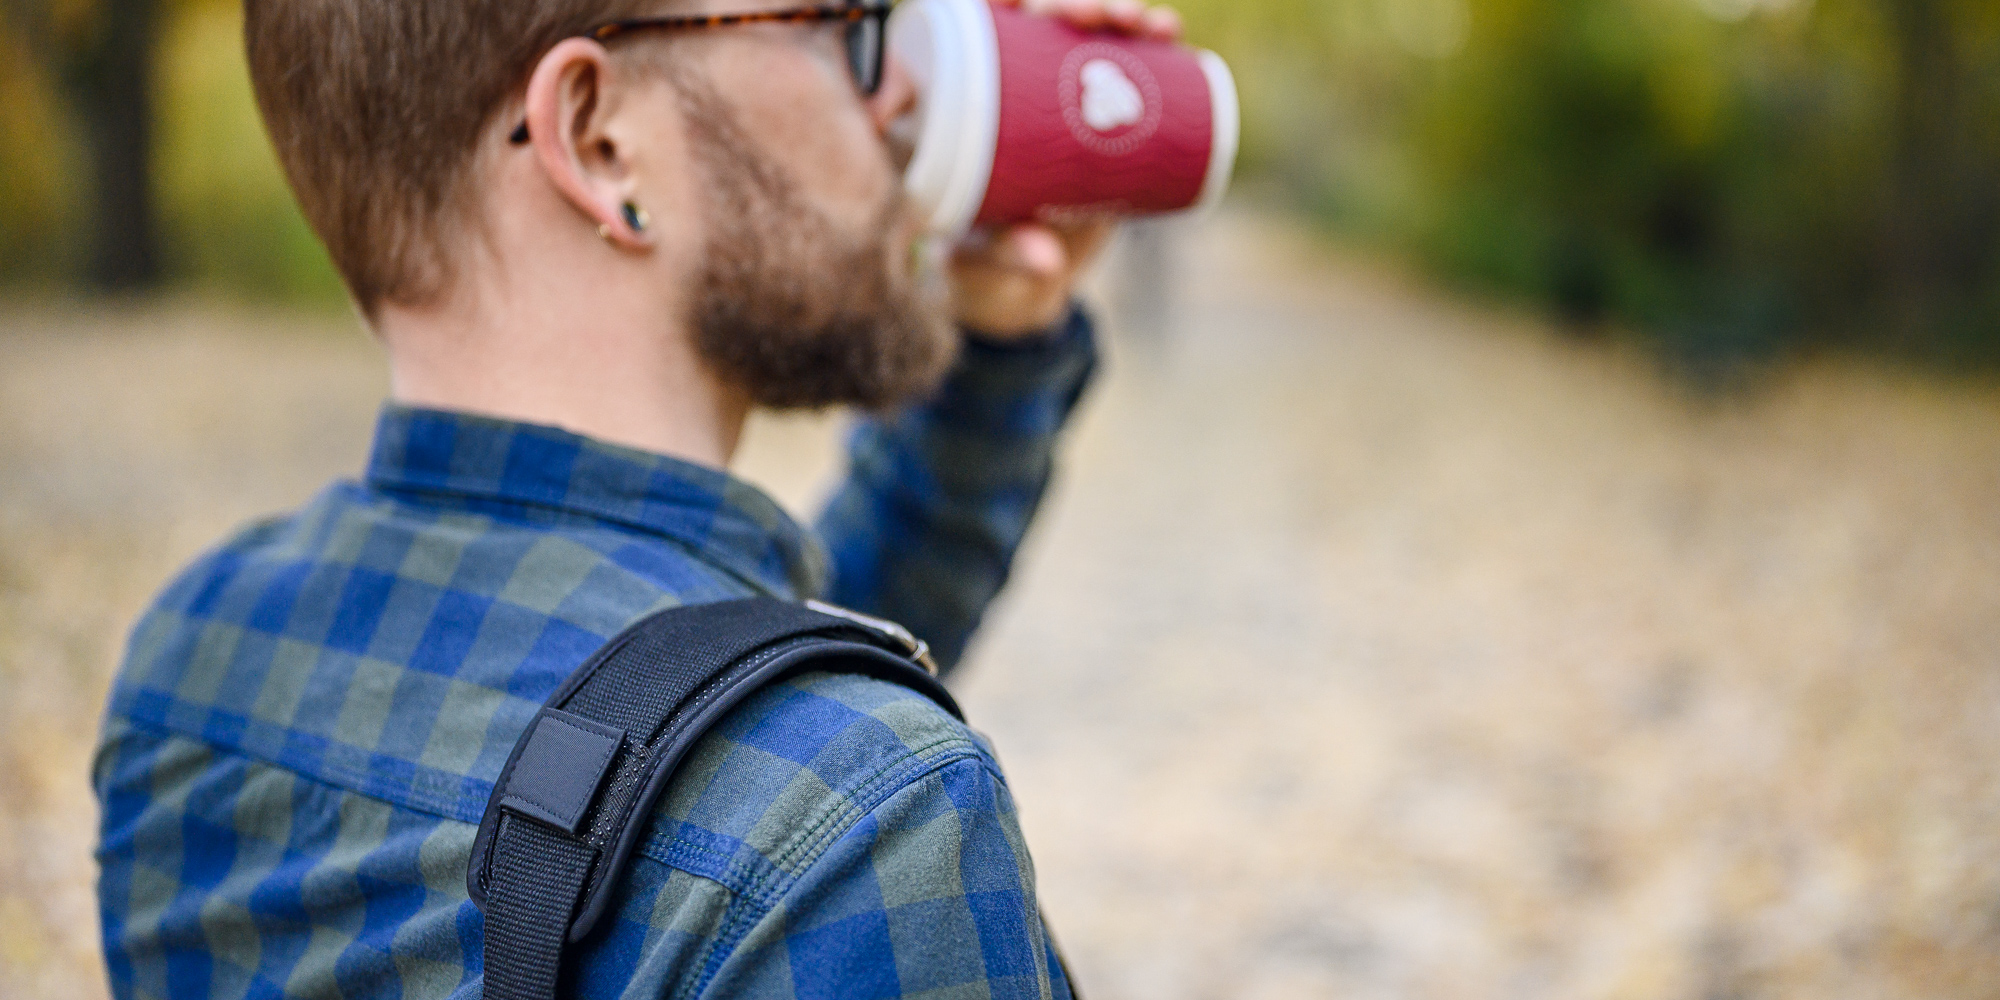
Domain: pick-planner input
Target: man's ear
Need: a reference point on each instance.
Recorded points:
(570, 98)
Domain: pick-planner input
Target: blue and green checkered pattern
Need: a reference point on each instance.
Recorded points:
(310, 719)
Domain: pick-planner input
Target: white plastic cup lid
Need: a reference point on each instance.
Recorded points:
(950, 50)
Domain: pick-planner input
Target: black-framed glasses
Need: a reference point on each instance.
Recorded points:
(865, 30)
(866, 35)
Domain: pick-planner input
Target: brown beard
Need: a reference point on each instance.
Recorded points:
(789, 308)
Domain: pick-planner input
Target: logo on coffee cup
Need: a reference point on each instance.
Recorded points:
(1110, 100)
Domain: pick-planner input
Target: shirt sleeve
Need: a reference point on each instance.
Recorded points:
(930, 894)
(939, 495)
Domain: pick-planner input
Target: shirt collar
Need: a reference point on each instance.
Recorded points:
(721, 519)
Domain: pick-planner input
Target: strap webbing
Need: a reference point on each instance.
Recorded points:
(535, 883)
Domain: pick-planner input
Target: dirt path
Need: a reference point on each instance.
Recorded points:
(1382, 647)
(1371, 646)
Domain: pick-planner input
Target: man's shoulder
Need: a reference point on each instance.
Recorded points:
(780, 795)
(794, 767)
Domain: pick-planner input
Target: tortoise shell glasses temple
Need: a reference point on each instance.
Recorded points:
(851, 13)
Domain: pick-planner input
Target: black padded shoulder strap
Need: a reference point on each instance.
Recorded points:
(574, 798)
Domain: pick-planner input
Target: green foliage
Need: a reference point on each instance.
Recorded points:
(231, 219)
(230, 224)
(1733, 177)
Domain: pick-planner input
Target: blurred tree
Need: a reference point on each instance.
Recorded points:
(1731, 178)
(1941, 244)
(35, 172)
(101, 54)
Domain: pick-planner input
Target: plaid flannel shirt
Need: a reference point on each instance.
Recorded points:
(309, 721)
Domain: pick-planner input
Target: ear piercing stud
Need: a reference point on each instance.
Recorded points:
(634, 216)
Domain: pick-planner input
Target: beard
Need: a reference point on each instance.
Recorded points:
(788, 307)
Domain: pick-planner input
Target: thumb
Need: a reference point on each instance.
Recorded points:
(1035, 249)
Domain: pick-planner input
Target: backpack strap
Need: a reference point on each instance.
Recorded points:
(575, 796)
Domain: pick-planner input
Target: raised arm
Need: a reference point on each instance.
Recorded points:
(940, 495)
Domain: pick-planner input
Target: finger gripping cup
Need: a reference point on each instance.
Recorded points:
(1025, 117)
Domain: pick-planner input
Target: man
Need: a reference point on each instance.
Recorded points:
(587, 255)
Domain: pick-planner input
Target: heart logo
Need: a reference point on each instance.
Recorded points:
(1111, 100)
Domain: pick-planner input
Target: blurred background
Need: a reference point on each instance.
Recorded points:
(1732, 180)
(1542, 539)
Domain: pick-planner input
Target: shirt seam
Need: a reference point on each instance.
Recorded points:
(426, 793)
(656, 847)
(839, 816)
(942, 750)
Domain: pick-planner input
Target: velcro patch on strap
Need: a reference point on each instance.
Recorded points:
(557, 773)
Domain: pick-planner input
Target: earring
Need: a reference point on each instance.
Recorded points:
(636, 217)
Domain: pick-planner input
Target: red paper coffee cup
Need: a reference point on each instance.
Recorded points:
(1023, 116)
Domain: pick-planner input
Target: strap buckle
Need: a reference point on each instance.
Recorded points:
(916, 649)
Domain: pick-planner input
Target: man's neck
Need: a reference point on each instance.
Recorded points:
(539, 352)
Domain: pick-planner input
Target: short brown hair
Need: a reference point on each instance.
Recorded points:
(376, 106)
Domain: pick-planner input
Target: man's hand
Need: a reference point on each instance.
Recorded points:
(1017, 281)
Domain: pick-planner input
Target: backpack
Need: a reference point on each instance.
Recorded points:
(576, 793)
